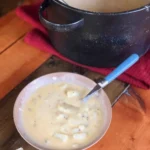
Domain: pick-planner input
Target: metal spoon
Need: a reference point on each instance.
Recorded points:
(113, 75)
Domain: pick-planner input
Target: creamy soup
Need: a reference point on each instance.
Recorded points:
(107, 5)
(55, 117)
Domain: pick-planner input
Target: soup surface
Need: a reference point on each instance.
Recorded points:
(107, 5)
(55, 117)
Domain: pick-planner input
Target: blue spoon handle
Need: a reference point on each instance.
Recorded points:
(120, 69)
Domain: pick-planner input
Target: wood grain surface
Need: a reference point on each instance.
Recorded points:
(12, 29)
(17, 59)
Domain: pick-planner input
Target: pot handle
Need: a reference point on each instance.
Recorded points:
(55, 26)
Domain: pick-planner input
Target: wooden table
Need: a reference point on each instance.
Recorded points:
(130, 123)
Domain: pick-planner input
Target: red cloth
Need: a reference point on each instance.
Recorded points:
(138, 75)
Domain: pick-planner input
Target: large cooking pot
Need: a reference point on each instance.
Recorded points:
(96, 39)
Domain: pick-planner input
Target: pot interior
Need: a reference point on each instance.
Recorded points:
(106, 6)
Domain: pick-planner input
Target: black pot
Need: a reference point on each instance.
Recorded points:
(96, 39)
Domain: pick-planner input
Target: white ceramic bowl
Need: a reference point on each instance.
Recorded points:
(58, 77)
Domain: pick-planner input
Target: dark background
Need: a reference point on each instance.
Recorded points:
(9, 5)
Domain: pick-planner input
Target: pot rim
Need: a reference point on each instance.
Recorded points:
(145, 7)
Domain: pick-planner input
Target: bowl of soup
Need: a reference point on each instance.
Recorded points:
(49, 113)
